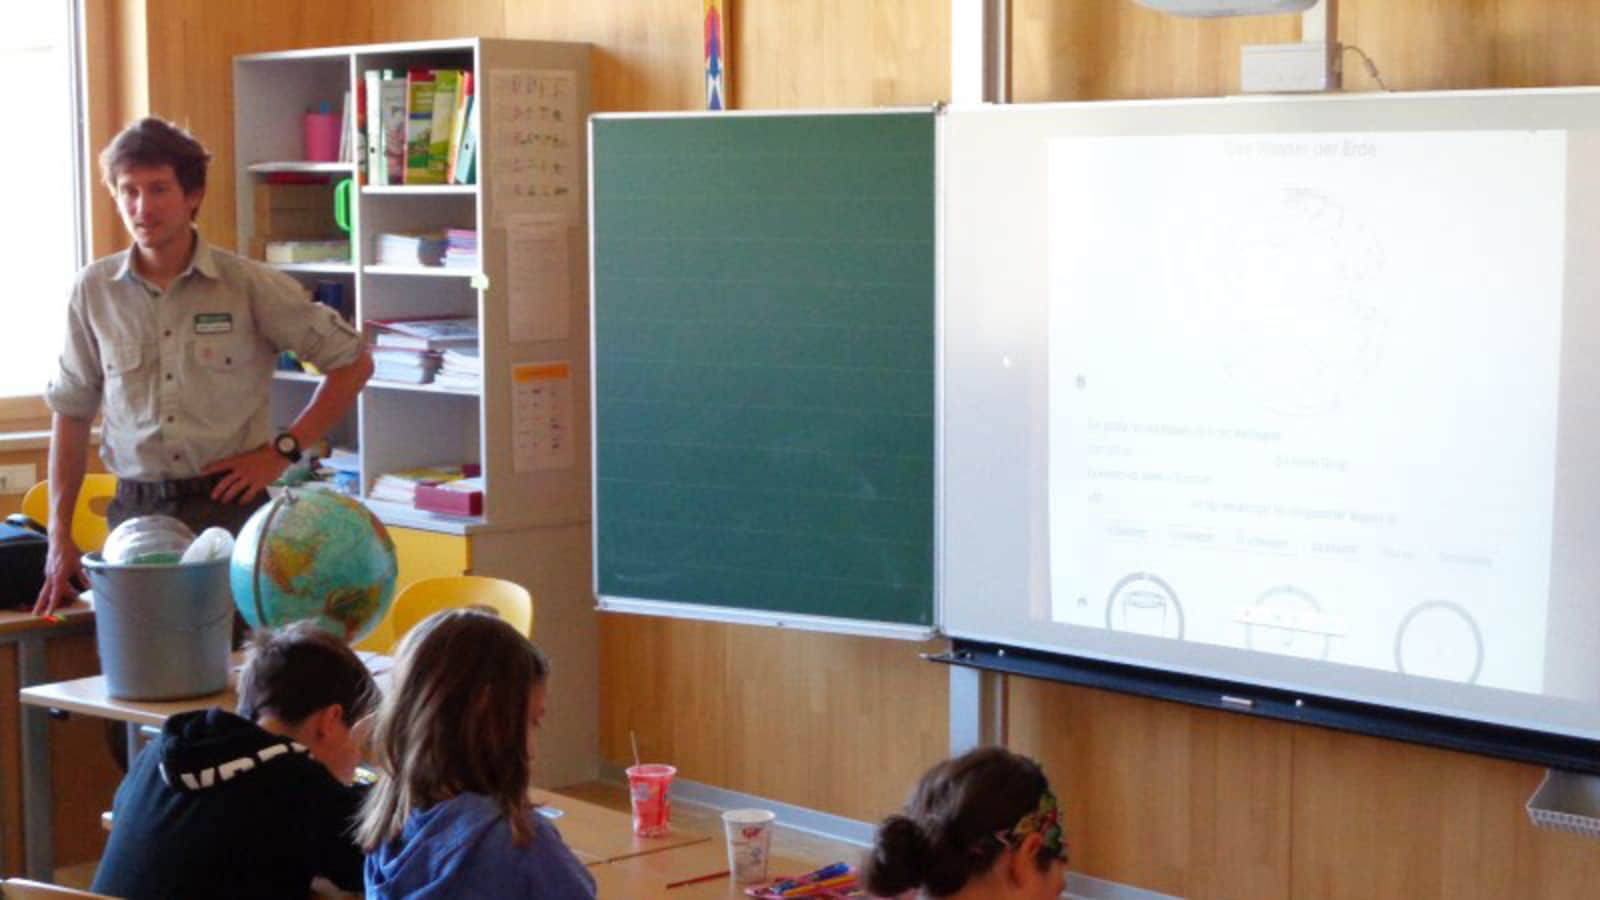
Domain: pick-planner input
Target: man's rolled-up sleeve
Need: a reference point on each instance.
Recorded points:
(291, 320)
(79, 382)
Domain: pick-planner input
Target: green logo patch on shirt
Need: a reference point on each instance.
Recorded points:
(213, 323)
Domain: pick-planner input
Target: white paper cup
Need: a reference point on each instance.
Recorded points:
(749, 834)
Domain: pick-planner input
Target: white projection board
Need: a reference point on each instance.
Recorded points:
(1301, 393)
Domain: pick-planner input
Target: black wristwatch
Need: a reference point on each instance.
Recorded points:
(288, 446)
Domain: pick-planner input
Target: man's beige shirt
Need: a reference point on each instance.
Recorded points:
(184, 376)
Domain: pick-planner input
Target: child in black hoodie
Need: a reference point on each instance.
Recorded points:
(255, 804)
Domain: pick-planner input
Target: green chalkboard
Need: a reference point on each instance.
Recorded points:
(764, 363)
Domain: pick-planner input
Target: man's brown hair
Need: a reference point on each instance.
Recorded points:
(455, 721)
(156, 142)
(294, 671)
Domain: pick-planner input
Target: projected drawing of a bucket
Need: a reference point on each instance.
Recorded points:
(164, 632)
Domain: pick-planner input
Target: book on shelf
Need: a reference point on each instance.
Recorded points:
(419, 126)
(307, 252)
(416, 249)
(346, 132)
(434, 333)
(446, 94)
(401, 486)
(392, 126)
(458, 125)
(459, 497)
(466, 169)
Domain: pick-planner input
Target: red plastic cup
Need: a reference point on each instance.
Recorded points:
(321, 132)
(649, 788)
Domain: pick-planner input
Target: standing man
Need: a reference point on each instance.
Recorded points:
(174, 342)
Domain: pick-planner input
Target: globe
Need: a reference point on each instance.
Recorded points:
(317, 555)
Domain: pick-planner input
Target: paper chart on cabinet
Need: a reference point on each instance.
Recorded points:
(541, 416)
(533, 144)
(538, 291)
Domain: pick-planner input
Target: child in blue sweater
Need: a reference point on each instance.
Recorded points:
(456, 735)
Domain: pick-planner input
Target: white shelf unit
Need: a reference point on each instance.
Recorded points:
(534, 529)
(402, 426)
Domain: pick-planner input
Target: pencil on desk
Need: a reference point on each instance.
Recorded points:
(697, 879)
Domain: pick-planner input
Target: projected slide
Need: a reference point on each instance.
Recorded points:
(1302, 394)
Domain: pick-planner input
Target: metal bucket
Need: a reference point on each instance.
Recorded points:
(165, 632)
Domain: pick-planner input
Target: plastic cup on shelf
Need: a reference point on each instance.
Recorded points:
(749, 833)
(649, 787)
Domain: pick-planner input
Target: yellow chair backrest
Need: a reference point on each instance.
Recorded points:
(89, 528)
(420, 599)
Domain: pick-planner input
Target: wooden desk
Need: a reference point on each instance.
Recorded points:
(598, 834)
(27, 635)
(646, 877)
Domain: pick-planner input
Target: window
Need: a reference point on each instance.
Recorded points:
(43, 236)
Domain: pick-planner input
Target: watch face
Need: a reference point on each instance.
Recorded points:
(287, 445)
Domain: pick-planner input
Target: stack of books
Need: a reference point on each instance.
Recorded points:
(401, 249)
(401, 487)
(461, 369)
(404, 365)
(461, 248)
(459, 497)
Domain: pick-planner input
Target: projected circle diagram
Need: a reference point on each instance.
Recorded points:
(1142, 603)
(1290, 298)
(1439, 639)
(1279, 624)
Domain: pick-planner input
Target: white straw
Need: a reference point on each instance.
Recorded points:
(635, 739)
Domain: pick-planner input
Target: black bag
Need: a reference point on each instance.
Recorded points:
(23, 548)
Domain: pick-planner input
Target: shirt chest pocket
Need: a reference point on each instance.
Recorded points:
(129, 373)
(225, 354)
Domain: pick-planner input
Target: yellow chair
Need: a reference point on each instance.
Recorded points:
(89, 527)
(420, 599)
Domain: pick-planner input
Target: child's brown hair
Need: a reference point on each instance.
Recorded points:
(455, 721)
(292, 672)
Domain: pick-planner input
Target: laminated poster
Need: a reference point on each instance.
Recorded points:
(538, 292)
(533, 143)
(541, 416)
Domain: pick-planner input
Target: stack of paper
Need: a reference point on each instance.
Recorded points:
(462, 369)
(404, 365)
(420, 249)
(441, 333)
(461, 248)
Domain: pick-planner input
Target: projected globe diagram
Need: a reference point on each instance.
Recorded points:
(1282, 621)
(1142, 603)
(1296, 321)
(1439, 639)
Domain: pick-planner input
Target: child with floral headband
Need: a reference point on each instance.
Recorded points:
(982, 826)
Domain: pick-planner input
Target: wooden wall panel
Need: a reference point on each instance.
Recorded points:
(1114, 50)
(833, 53)
(1375, 818)
(840, 724)
(1185, 801)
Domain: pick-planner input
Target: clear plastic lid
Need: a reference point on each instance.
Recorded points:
(147, 540)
